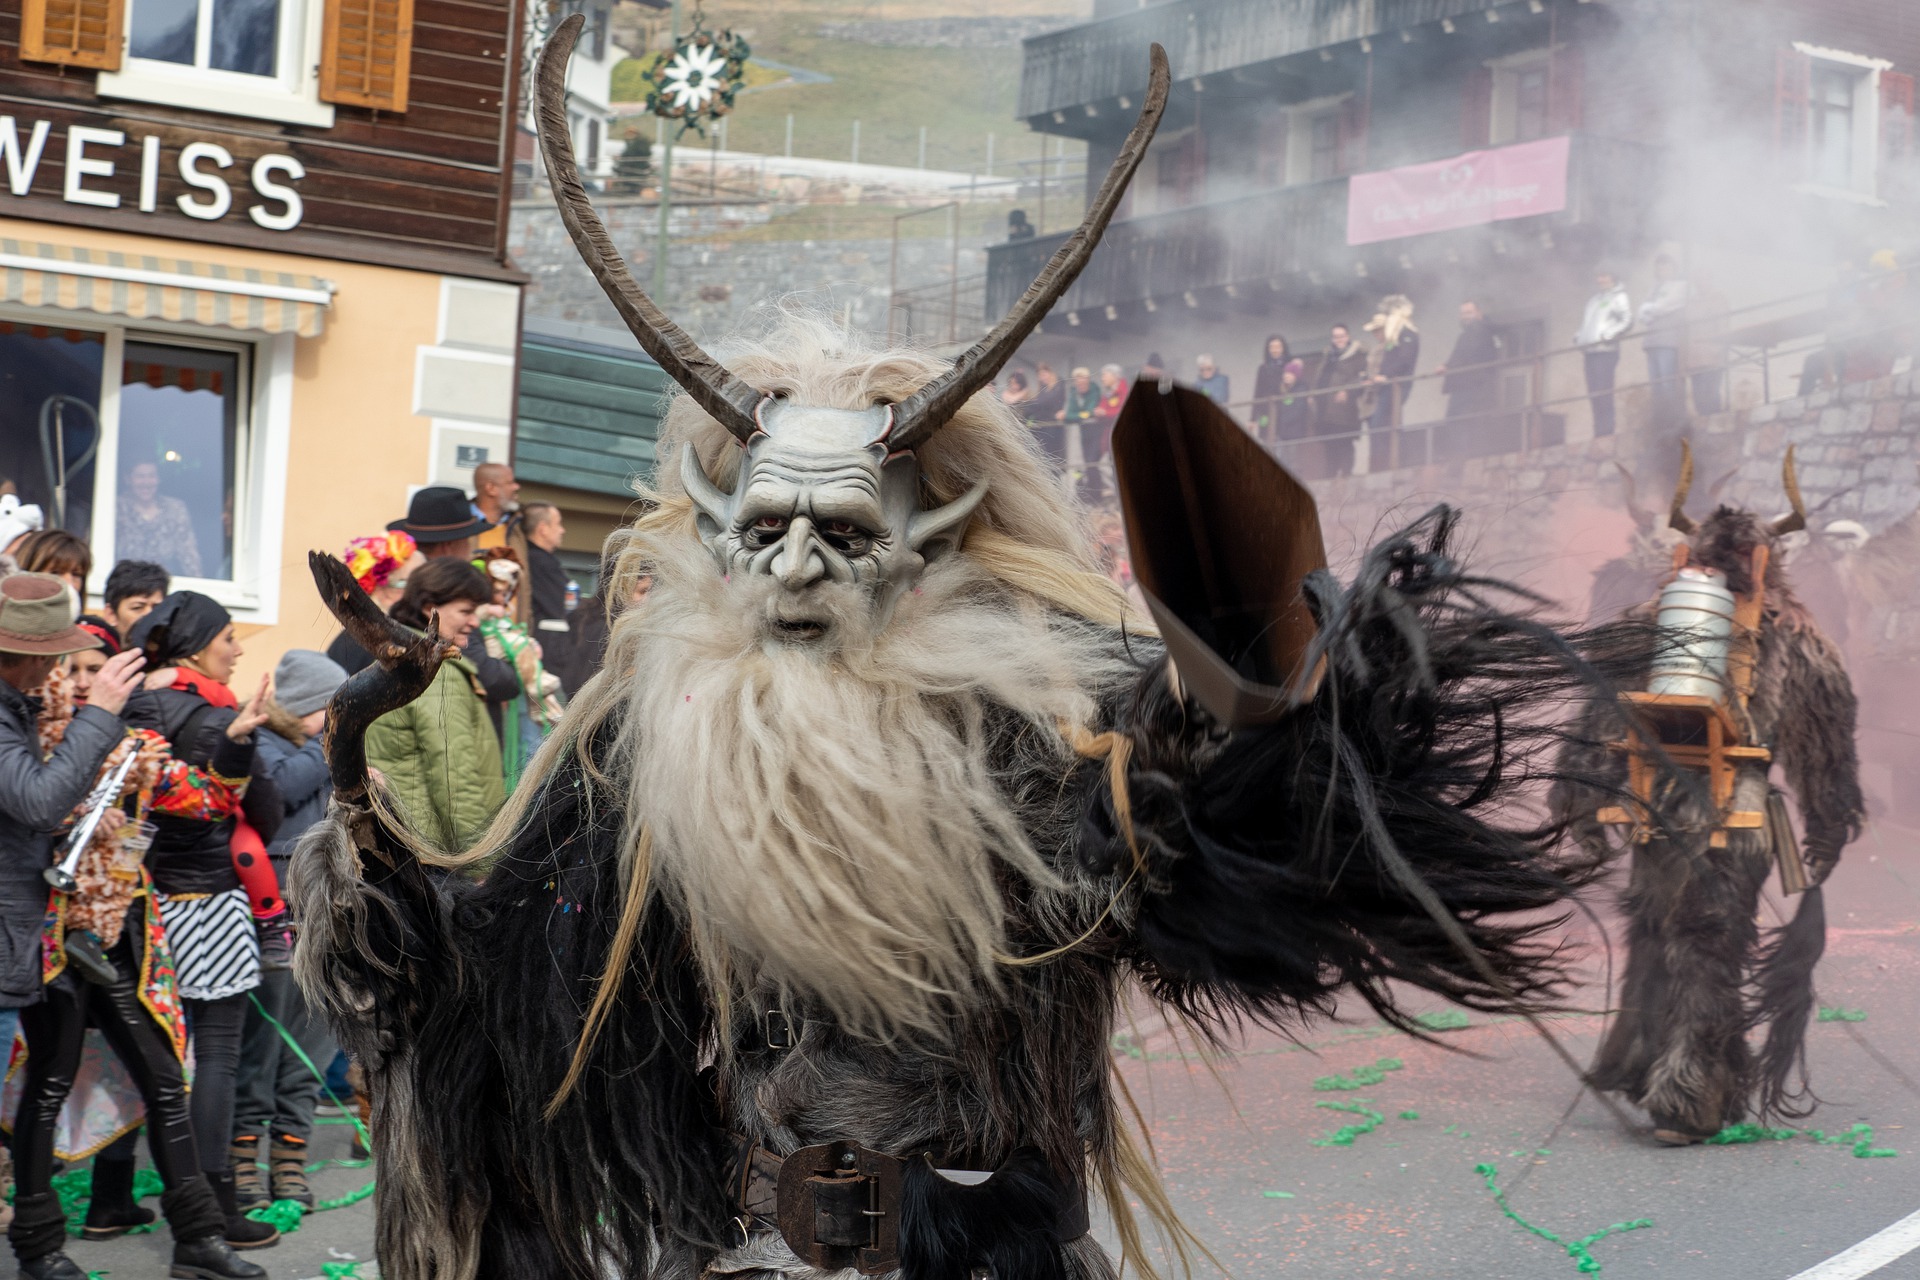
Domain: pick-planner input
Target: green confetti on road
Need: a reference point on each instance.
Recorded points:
(340, 1270)
(1827, 1014)
(1362, 1077)
(1345, 1134)
(1579, 1250)
(1859, 1137)
(1443, 1020)
(1278, 1195)
(1409, 1115)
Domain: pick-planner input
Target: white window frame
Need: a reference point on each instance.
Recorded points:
(1300, 118)
(1503, 115)
(292, 97)
(262, 438)
(1865, 187)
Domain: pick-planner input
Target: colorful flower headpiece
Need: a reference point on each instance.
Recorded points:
(374, 560)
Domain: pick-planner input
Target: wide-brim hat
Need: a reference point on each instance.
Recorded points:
(440, 513)
(37, 613)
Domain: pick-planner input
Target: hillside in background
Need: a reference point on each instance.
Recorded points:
(895, 67)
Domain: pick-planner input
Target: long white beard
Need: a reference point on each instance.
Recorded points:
(827, 818)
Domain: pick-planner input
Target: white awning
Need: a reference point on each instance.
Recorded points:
(142, 287)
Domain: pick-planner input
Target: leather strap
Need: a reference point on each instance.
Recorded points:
(837, 1204)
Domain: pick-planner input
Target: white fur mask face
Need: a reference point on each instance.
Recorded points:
(821, 500)
(831, 828)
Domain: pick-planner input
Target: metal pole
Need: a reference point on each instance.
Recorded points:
(923, 146)
(789, 135)
(893, 273)
(953, 273)
(856, 142)
(663, 240)
(1040, 228)
(990, 158)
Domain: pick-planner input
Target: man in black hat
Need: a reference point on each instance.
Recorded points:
(442, 522)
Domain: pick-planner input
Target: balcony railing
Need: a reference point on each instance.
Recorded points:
(1290, 233)
(1099, 61)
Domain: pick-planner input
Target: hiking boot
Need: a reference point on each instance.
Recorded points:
(209, 1258)
(249, 1192)
(289, 1170)
(242, 1232)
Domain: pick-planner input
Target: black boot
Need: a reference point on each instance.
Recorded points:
(55, 1266)
(242, 1232)
(209, 1258)
(37, 1232)
(111, 1209)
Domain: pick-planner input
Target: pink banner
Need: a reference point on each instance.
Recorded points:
(1466, 191)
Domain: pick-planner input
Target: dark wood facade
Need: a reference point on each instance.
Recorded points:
(424, 188)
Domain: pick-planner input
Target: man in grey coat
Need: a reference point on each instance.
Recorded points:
(38, 793)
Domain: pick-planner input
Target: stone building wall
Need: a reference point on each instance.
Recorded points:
(1549, 517)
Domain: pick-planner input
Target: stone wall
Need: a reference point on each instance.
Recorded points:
(716, 278)
(1550, 517)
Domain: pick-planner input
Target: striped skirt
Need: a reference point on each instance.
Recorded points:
(216, 952)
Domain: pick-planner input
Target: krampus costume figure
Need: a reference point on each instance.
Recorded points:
(1700, 974)
(799, 946)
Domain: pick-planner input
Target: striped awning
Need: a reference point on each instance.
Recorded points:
(142, 287)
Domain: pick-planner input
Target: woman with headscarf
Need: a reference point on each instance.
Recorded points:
(106, 965)
(1267, 388)
(191, 649)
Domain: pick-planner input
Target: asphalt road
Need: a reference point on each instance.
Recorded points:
(1238, 1141)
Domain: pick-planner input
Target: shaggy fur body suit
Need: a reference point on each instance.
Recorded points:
(1700, 973)
(1231, 875)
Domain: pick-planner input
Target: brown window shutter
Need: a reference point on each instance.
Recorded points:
(74, 33)
(367, 54)
(1476, 109)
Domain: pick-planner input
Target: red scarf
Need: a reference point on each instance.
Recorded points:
(206, 686)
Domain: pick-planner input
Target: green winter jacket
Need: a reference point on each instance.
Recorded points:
(441, 758)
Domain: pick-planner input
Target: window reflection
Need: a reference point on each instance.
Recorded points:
(179, 414)
(49, 430)
(165, 30)
(246, 34)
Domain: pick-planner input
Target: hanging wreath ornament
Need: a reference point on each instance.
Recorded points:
(698, 81)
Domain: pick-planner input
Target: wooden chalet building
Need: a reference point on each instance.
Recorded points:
(252, 276)
(1759, 142)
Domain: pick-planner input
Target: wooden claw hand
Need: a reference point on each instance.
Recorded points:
(404, 664)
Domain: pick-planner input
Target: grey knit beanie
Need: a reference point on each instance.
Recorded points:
(304, 681)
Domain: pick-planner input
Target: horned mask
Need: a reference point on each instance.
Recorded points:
(821, 494)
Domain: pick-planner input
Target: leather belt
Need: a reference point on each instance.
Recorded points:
(837, 1204)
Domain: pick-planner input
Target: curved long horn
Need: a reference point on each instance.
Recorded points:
(713, 388)
(1642, 518)
(928, 409)
(1677, 518)
(1796, 520)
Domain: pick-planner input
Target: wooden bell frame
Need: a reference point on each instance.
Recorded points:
(1710, 735)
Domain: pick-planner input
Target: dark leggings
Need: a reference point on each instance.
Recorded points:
(56, 1028)
(215, 1026)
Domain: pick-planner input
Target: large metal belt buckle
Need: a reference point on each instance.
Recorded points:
(839, 1207)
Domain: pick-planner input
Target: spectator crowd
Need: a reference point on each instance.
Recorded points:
(148, 811)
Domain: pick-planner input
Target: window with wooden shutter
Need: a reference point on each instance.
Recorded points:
(74, 33)
(1896, 115)
(367, 54)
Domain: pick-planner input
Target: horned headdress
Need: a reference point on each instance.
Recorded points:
(787, 516)
(1677, 517)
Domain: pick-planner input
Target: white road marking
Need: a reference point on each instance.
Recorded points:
(1871, 1254)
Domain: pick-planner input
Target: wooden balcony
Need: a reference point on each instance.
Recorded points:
(1296, 235)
